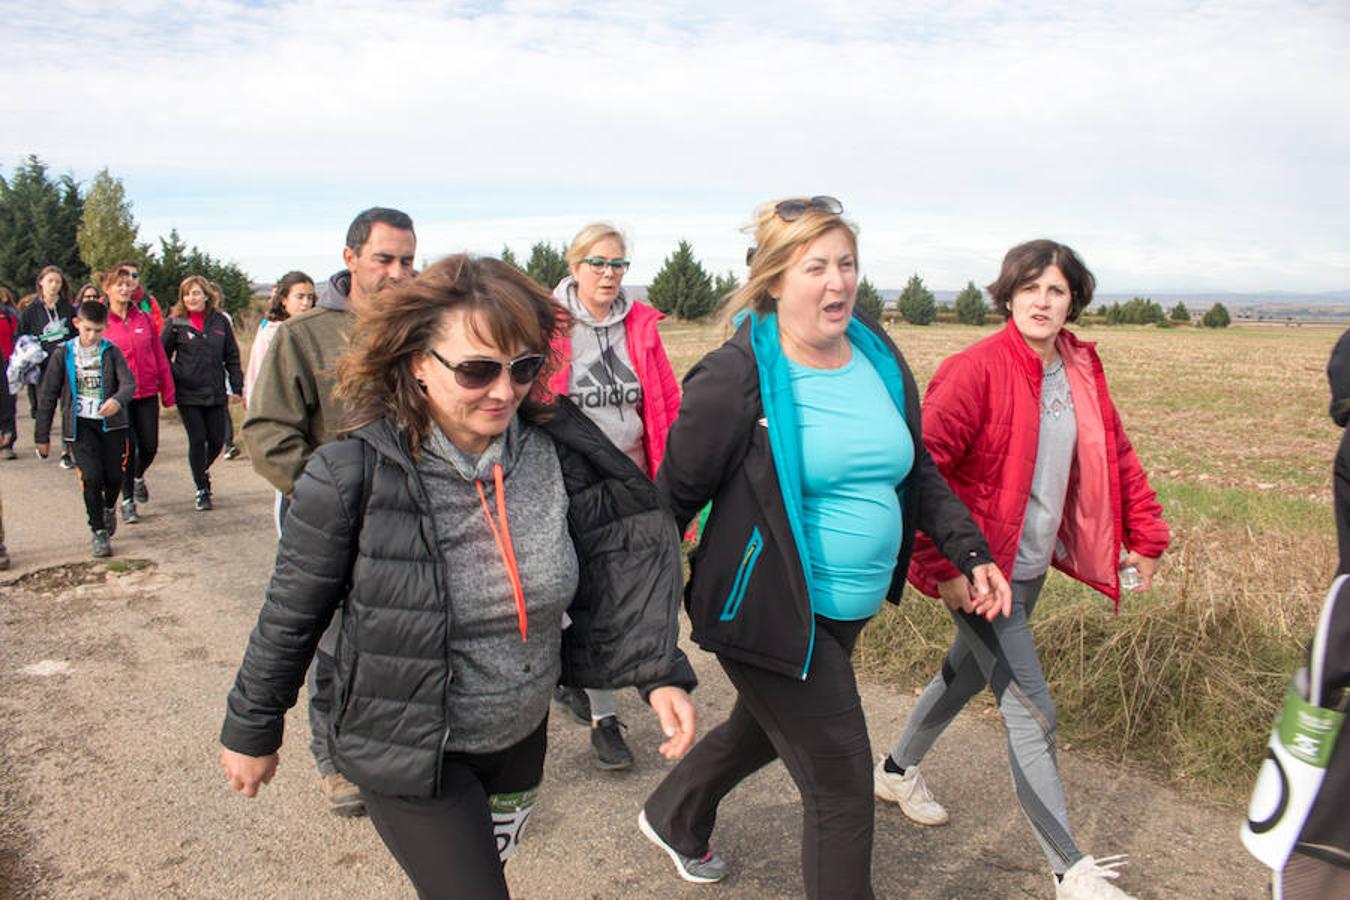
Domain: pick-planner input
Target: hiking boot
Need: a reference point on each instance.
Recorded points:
(1091, 878)
(129, 513)
(910, 792)
(66, 461)
(8, 452)
(4, 557)
(110, 520)
(100, 545)
(203, 499)
(706, 870)
(344, 798)
(575, 701)
(610, 750)
(139, 492)
(231, 451)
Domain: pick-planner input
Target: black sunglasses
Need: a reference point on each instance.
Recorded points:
(475, 374)
(792, 210)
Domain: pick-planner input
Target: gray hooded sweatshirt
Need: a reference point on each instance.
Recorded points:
(603, 382)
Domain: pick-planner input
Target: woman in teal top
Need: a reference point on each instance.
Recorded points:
(804, 432)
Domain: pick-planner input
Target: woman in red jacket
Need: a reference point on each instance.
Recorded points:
(136, 335)
(1023, 428)
(615, 369)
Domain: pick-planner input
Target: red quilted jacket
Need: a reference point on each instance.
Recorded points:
(981, 420)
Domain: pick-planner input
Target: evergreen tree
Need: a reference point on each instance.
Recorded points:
(725, 285)
(1180, 313)
(916, 303)
(509, 258)
(1112, 314)
(1216, 317)
(163, 272)
(868, 300)
(683, 288)
(970, 306)
(546, 265)
(39, 218)
(107, 231)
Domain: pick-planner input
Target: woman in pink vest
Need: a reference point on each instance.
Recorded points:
(615, 369)
(1022, 427)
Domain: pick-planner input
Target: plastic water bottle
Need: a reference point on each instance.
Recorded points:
(1130, 579)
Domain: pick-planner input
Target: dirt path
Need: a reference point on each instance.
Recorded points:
(111, 695)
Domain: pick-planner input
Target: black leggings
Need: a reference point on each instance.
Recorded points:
(455, 844)
(817, 728)
(100, 457)
(205, 427)
(142, 440)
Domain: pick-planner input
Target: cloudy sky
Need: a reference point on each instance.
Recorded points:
(1182, 145)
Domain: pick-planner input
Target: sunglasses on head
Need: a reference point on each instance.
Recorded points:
(794, 209)
(475, 374)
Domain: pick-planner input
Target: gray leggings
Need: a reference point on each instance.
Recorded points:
(1001, 654)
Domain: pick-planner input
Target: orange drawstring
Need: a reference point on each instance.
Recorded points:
(503, 539)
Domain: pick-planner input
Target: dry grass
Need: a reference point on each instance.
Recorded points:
(1232, 427)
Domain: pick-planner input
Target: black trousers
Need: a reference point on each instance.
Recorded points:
(142, 440)
(205, 426)
(449, 844)
(100, 457)
(816, 727)
(9, 412)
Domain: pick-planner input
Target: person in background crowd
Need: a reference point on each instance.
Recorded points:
(93, 377)
(9, 330)
(1338, 377)
(202, 351)
(231, 450)
(134, 333)
(1022, 426)
(293, 294)
(614, 368)
(293, 411)
(457, 497)
(4, 553)
(49, 316)
(145, 301)
(87, 292)
(808, 535)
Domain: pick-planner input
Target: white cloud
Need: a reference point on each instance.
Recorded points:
(1174, 134)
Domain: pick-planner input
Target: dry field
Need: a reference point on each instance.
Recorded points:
(1233, 429)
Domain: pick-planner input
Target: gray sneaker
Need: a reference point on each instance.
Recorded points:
(129, 513)
(101, 546)
(708, 870)
(110, 520)
(344, 798)
(4, 557)
(139, 492)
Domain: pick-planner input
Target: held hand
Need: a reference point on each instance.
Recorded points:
(679, 720)
(43, 450)
(109, 409)
(235, 399)
(991, 594)
(246, 773)
(1147, 566)
(955, 592)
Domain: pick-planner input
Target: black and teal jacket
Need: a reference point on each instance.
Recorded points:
(59, 381)
(736, 442)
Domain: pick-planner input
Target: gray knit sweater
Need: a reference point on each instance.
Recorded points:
(502, 684)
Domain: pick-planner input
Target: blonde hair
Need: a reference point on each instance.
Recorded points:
(588, 237)
(778, 243)
(210, 290)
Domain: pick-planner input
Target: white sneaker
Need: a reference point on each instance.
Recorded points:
(910, 792)
(1091, 878)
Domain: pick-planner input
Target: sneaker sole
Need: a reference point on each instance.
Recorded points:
(349, 810)
(604, 766)
(645, 827)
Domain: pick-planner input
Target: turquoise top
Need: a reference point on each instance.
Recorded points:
(856, 450)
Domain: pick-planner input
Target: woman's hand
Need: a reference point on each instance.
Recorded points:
(1147, 566)
(246, 773)
(986, 594)
(679, 719)
(109, 408)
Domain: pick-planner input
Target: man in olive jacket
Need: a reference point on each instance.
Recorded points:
(292, 412)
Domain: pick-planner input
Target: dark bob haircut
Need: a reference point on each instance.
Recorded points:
(1024, 264)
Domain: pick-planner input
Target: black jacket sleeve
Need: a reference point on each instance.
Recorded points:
(308, 584)
(49, 392)
(232, 368)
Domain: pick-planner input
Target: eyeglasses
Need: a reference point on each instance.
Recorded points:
(792, 210)
(617, 266)
(476, 374)
(134, 276)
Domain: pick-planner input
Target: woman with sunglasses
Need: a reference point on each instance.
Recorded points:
(135, 334)
(803, 430)
(87, 292)
(615, 369)
(1022, 425)
(203, 352)
(444, 526)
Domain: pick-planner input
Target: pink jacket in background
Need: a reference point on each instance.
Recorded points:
(138, 339)
(981, 424)
(660, 391)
